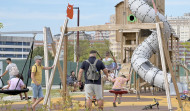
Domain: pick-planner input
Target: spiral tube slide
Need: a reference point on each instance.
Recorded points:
(142, 54)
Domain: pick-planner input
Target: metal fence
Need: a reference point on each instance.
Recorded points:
(71, 66)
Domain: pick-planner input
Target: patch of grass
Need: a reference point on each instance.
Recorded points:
(108, 87)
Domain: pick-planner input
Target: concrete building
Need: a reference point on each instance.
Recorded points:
(14, 47)
(181, 26)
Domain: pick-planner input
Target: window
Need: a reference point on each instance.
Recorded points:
(26, 50)
(14, 43)
(9, 43)
(19, 56)
(25, 56)
(19, 43)
(9, 49)
(26, 43)
(9, 55)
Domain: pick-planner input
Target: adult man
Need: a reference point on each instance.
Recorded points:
(109, 62)
(11, 68)
(36, 75)
(93, 87)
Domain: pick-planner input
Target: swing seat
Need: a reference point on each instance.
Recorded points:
(118, 92)
(14, 92)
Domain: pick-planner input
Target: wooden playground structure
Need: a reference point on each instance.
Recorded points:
(130, 34)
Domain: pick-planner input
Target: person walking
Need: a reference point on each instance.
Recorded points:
(11, 68)
(92, 68)
(36, 76)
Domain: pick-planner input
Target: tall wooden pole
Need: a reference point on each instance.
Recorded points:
(54, 52)
(65, 67)
(168, 61)
(138, 78)
(164, 66)
(46, 62)
(55, 62)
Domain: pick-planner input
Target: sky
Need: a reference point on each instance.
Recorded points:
(33, 15)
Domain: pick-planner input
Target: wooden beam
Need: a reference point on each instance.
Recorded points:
(167, 57)
(23, 32)
(164, 66)
(135, 80)
(55, 62)
(138, 79)
(138, 88)
(185, 67)
(46, 62)
(113, 27)
(65, 68)
(58, 63)
(187, 71)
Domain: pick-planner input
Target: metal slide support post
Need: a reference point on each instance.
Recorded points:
(77, 52)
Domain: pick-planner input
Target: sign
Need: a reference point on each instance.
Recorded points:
(70, 11)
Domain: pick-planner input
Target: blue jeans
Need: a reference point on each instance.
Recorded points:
(37, 91)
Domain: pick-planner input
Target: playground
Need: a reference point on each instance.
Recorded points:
(147, 75)
(129, 102)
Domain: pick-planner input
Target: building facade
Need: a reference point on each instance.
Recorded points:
(115, 46)
(184, 52)
(181, 26)
(15, 47)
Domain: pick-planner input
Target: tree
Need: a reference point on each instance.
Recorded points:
(85, 48)
(40, 51)
(186, 46)
(1, 25)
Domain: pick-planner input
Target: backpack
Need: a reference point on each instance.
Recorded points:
(14, 70)
(92, 73)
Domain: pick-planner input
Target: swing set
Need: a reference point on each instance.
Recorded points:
(29, 59)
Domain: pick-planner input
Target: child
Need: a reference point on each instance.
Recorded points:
(119, 82)
(12, 84)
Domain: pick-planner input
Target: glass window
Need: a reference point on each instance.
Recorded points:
(26, 50)
(18, 49)
(25, 56)
(9, 43)
(19, 43)
(9, 49)
(9, 55)
(19, 56)
(26, 43)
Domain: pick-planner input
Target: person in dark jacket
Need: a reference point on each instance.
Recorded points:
(92, 87)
